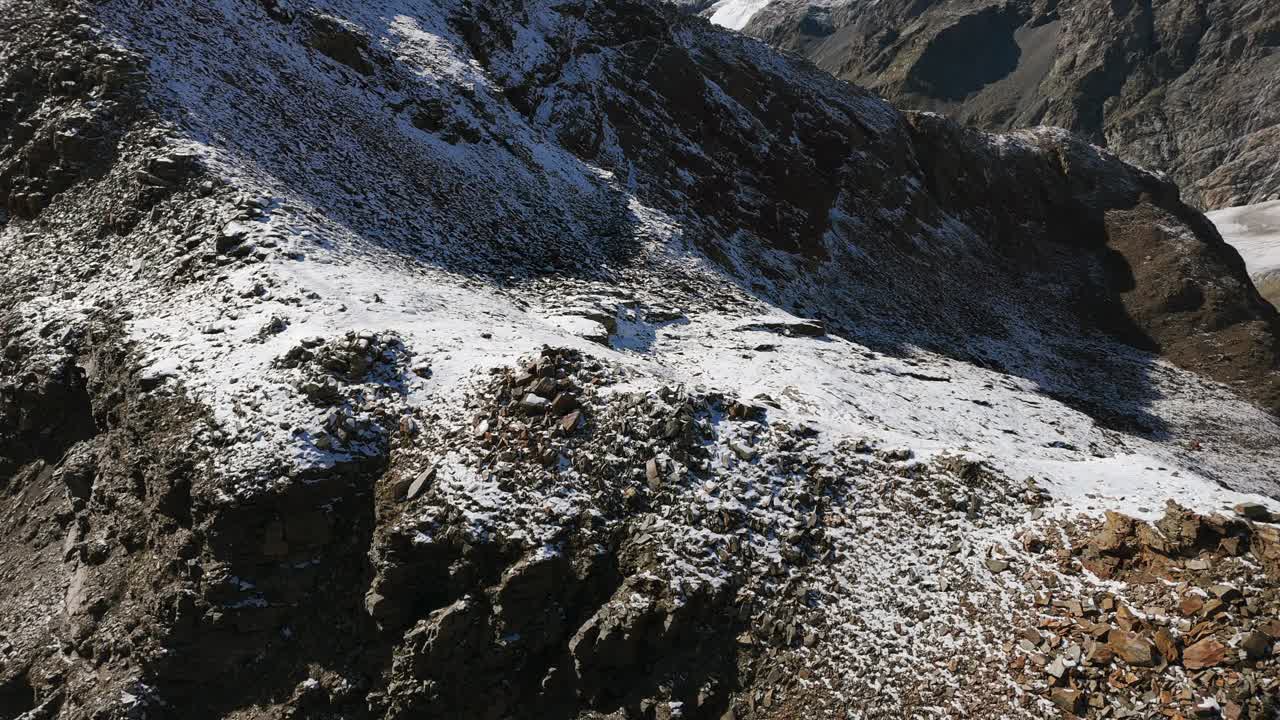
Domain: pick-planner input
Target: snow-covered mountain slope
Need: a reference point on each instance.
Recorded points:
(1254, 230)
(401, 358)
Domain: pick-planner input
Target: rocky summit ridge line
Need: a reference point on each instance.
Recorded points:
(1182, 86)
(526, 359)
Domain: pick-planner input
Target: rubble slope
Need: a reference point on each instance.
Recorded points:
(518, 358)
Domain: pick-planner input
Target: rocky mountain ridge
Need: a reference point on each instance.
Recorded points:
(579, 359)
(1185, 87)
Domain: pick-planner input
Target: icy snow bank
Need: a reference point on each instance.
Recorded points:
(1254, 230)
(735, 14)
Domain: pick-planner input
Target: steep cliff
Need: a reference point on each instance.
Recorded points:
(1186, 87)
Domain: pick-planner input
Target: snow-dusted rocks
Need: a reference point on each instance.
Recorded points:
(531, 359)
(1190, 616)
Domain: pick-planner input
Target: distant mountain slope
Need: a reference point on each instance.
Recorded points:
(1187, 87)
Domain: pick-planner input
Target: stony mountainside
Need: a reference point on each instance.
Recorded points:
(577, 358)
(1187, 87)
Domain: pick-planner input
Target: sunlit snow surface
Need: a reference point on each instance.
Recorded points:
(735, 14)
(1254, 230)
(365, 254)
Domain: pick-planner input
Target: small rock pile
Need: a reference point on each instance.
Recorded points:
(1192, 631)
(354, 378)
(239, 238)
(356, 357)
(527, 424)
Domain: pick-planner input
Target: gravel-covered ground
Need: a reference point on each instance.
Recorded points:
(517, 359)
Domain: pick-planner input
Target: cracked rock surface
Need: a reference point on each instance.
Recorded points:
(1181, 86)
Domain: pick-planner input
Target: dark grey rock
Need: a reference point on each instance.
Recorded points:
(1183, 86)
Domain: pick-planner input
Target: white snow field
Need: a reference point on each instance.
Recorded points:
(735, 14)
(1254, 230)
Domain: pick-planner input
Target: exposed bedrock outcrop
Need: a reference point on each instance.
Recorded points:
(1184, 87)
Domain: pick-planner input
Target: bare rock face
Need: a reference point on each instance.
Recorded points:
(1157, 258)
(1185, 87)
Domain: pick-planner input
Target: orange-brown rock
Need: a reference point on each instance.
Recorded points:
(1132, 647)
(1204, 654)
(1190, 605)
(1167, 645)
(1265, 545)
